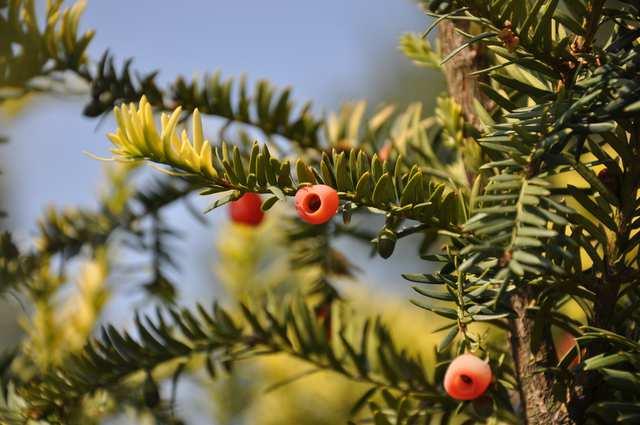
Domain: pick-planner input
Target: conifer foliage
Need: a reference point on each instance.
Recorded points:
(527, 175)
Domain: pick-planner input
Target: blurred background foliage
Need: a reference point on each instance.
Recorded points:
(278, 389)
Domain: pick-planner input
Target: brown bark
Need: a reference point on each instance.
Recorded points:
(463, 87)
(537, 402)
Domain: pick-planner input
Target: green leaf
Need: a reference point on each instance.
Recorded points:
(326, 171)
(364, 187)
(278, 192)
(498, 98)
(410, 194)
(569, 23)
(376, 168)
(532, 15)
(605, 360)
(592, 208)
(269, 202)
(437, 294)
(537, 232)
(542, 32)
(303, 173)
(261, 169)
(238, 167)
(622, 380)
(595, 183)
(253, 159)
(343, 178)
(621, 147)
(384, 192)
(273, 168)
(421, 278)
(440, 311)
(380, 419)
(362, 163)
(524, 88)
(466, 44)
(284, 175)
(448, 339)
(362, 401)
(222, 200)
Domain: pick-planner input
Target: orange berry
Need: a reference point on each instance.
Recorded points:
(246, 210)
(385, 152)
(317, 204)
(467, 377)
(566, 344)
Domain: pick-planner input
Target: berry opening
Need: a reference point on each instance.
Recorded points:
(466, 379)
(313, 203)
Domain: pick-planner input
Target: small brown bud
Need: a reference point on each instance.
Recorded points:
(505, 259)
(510, 40)
(609, 180)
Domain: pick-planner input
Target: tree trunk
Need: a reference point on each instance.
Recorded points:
(537, 402)
(463, 87)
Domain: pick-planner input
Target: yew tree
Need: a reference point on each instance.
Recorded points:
(523, 186)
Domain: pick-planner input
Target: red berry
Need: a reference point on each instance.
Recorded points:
(317, 204)
(467, 377)
(246, 210)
